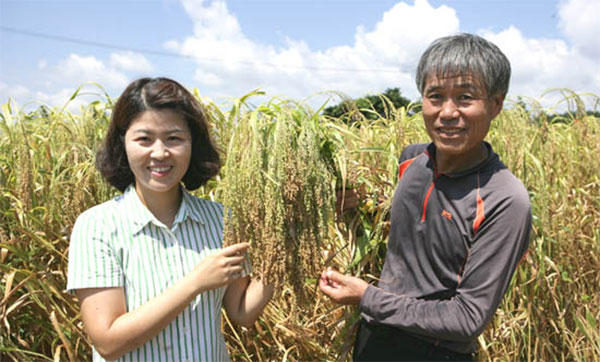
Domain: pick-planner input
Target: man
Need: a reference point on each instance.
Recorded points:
(460, 220)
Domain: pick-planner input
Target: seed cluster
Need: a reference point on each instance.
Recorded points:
(277, 189)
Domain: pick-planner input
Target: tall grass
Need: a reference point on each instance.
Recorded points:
(551, 312)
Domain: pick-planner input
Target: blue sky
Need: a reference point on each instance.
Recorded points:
(290, 48)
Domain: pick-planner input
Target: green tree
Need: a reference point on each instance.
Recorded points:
(370, 107)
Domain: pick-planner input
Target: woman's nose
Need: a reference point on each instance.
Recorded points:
(159, 150)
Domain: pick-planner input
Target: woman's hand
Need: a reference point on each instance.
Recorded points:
(221, 267)
(342, 289)
(115, 331)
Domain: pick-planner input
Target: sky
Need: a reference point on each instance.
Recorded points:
(299, 49)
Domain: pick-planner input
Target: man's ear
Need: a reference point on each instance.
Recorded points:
(497, 104)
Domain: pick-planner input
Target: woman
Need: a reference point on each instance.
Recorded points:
(148, 267)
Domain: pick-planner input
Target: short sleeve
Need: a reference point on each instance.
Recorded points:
(93, 262)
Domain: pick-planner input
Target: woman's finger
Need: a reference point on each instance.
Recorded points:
(235, 249)
(236, 268)
(235, 260)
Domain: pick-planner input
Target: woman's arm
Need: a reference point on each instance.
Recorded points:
(114, 331)
(245, 299)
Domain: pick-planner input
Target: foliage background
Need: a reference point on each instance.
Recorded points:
(47, 178)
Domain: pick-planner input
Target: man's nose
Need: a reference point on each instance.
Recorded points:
(449, 109)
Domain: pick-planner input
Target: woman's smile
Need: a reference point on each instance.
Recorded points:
(160, 171)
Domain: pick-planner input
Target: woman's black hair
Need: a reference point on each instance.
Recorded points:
(157, 94)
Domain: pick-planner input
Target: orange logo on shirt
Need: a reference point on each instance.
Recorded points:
(447, 215)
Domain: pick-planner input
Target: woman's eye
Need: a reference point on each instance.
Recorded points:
(143, 139)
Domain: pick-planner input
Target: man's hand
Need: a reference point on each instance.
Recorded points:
(342, 289)
(346, 199)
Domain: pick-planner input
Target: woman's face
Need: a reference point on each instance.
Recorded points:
(158, 144)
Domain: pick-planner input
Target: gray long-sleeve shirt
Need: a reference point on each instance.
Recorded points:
(454, 244)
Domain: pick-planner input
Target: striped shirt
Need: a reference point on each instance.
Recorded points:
(120, 243)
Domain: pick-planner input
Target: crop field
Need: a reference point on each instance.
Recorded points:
(551, 312)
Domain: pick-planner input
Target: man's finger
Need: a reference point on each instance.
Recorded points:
(326, 287)
(334, 276)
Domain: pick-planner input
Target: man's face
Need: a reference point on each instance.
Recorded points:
(457, 113)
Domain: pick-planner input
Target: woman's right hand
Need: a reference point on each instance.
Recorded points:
(221, 267)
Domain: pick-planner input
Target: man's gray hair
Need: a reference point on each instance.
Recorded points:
(463, 54)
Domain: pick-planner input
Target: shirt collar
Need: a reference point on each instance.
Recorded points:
(189, 209)
(491, 156)
(141, 216)
(138, 213)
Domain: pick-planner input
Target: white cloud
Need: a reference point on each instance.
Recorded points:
(394, 39)
(78, 69)
(215, 17)
(384, 55)
(230, 64)
(58, 98)
(63, 98)
(15, 92)
(207, 78)
(131, 62)
(171, 45)
(57, 83)
(541, 64)
(579, 22)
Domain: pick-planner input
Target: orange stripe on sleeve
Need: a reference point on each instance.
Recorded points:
(480, 215)
(425, 202)
(403, 166)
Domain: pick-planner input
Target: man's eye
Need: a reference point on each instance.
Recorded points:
(465, 97)
(434, 96)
